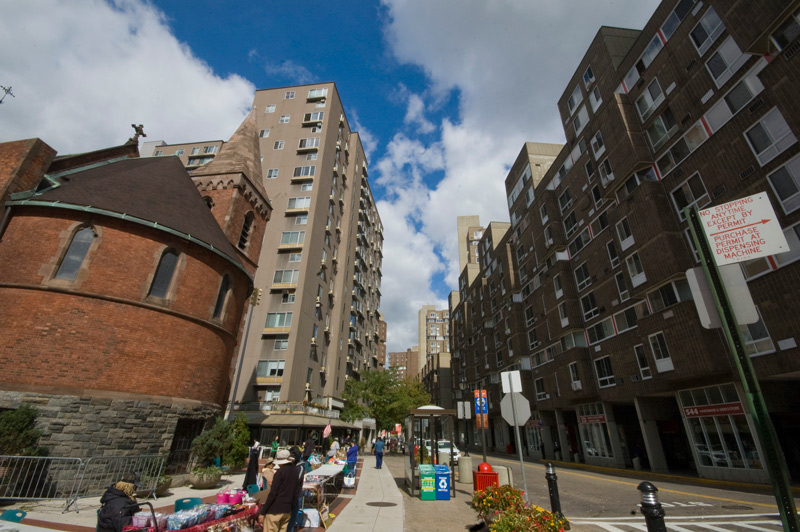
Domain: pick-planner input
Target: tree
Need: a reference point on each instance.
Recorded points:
(228, 441)
(383, 396)
(18, 433)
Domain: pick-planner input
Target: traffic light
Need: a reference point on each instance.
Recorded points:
(255, 297)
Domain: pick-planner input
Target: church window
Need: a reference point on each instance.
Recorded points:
(76, 254)
(247, 229)
(164, 274)
(222, 296)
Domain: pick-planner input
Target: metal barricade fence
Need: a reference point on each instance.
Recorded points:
(98, 473)
(38, 477)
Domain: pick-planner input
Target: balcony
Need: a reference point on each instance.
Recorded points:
(277, 407)
(274, 331)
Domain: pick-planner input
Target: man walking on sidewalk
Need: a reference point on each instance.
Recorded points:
(377, 449)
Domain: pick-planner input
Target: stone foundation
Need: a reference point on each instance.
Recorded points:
(83, 427)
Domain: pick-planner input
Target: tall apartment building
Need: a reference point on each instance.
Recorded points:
(698, 108)
(405, 363)
(317, 322)
(433, 332)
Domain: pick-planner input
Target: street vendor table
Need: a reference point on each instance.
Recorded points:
(322, 483)
(243, 514)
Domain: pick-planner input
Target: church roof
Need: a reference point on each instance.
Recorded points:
(155, 190)
(240, 154)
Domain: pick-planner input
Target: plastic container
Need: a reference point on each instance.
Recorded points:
(427, 482)
(223, 497)
(442, 482)
(235, 498)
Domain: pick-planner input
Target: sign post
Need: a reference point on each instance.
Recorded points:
(734, 232)
(512, 387)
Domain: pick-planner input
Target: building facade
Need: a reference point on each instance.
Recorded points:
(316, 323)
(694, 110)
(405, 363)
(134, 277)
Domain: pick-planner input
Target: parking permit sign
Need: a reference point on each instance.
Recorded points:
(743, 229)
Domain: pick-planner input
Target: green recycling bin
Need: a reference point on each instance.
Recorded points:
(427, 482)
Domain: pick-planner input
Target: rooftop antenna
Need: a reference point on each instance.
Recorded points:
(6, 91)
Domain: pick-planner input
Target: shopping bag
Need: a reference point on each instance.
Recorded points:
(350, 480)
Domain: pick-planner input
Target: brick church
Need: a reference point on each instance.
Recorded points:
(123, 282)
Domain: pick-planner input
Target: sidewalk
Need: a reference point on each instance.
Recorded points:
(376, 505)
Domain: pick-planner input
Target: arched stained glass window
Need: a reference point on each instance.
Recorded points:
(164, 274)
(76, 254)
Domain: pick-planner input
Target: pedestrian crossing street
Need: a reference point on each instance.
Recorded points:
(762, 523)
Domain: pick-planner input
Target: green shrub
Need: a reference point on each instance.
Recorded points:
(18, 433)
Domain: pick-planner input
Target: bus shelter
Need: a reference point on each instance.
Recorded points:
(428, 423)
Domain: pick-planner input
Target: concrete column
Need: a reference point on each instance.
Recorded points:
(548, 420)
(613, 434)
(652, 441)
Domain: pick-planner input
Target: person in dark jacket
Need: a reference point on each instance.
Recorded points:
(286, 488)
(352, 456)
(377, 449)
(251, 476)
(118, 505)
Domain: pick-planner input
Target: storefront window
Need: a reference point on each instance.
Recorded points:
(594, 430)
(719, 431)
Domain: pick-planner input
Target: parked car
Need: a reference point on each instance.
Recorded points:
(444, 447)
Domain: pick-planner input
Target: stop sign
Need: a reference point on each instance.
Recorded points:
(521, 405)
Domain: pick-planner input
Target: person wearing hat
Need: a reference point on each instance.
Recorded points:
(268, 473)
(287, 485)
(118, 504)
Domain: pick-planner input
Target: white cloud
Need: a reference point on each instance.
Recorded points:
(509, 61)
(90, 69)
(287, 68)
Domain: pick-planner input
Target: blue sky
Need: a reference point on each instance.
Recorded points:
(443, 93)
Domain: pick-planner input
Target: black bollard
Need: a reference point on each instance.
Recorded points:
(552, 486)
(651, 509)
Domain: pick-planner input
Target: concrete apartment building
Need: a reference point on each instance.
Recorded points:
(316, 323)
(698, 108)
(405, 363)
(434, 354)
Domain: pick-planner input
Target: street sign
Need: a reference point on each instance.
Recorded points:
(481, 410)
(511, 381)
(522, 406)
(743, 229)
(738, 292)
(464, 410)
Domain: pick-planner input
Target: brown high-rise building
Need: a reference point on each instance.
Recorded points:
(590, 300)
(405, 363)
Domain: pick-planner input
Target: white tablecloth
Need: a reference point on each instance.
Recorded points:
(326, 470)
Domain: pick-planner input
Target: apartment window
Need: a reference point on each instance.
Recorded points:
(76, 254)
(675, 18)
(222, 296)
(641, 359)
(299, 203)
(165, 272)
(598, 147)
(579, 242)
(312, 156)
(595, 99)
(570, 224)
(195, 151)
(270, 108)
(209, 149)
(293, 237)
(558, 287)
(658, 345)
(264, 133)
(613, 256)
(690, 192)
(278, 145)
(270, 368)
(295, 257)
(582, 277)
(662, 128)
(605, 373)
(565, 201)
(597, 195)
(281, 344)
(301, 220)
(601, 330)
(317, 93)
(529, 197)
(756, 337)
(785, 182)
(284, 119)
(788, 32)
(548, 236)
(625, 234)
(606, 173)
(285, 276)
(707, 30)
(693, 138)
(635, 269)
(289, 95)
(588, 76)
(305, 171)
(581, 119)
(312, 142)
(628, 318)
(540, 393)
(574, 99)
(314, 117)
(574, 376)
(279, 319)
(589, 170)
(648, 174)
(562, 314)
(651, 98)
(272, 173)
(533, 342)
(589, 306)
(622, 287)
(769, 136)
(543, 214)
(725, 61)
(180, 152)
(158, 153)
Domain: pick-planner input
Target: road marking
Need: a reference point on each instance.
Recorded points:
(673, 525)
(626, 483)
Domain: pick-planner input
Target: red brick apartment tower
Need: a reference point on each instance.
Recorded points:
(123, 290)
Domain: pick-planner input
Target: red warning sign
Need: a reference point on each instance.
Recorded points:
(743, 229)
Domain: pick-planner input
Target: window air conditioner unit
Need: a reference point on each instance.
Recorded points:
(576, 385)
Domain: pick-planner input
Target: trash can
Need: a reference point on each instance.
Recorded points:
(427, 482)
(464, 469)
(484, 478)
(442, 482)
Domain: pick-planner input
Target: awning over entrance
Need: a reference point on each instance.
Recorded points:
(294, 420)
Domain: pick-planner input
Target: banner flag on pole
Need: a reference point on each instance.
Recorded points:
(327, 430)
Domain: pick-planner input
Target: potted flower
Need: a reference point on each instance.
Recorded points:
(494, 500)
(205, 477)
(528, 518)
(157, 485)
